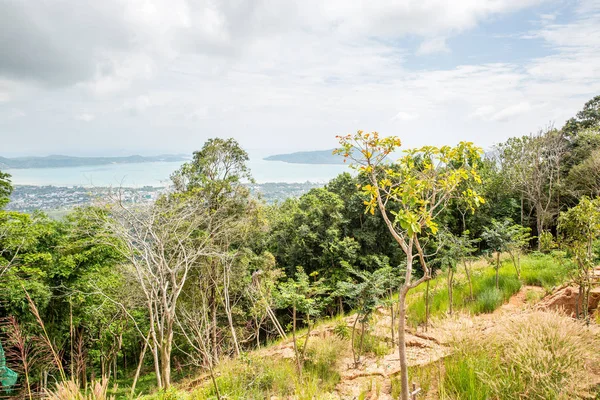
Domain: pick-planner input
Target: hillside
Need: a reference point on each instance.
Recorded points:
(308, 157)
(59, 161)
(455, 356)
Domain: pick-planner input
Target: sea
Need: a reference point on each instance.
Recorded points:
(157, 174)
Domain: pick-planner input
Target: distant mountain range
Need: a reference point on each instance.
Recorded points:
(57, 161)
(308, 157)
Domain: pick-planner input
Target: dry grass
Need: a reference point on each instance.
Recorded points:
(537, 355)
(70, 390)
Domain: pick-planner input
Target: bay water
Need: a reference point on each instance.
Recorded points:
(157, 174)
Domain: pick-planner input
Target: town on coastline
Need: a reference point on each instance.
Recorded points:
(28, 198)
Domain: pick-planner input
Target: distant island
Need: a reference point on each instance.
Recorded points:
(58, 161)
(308, 157)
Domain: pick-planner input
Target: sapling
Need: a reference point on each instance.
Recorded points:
(303, 297)
(580, 227)
(366, 292)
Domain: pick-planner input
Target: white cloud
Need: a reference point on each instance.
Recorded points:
(137, 105)
(405, 116)
(511, 111)
(433, 45)
(294, 74)
(86, 117)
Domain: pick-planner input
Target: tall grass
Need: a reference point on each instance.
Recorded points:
(540, 356)
(260, 378)
(545, 270)
(536, 270)
(70, 390)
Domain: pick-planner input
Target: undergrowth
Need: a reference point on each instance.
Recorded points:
(536, 270)
(540, 356)
(255, 377)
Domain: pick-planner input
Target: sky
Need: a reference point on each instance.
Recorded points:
(116, 77)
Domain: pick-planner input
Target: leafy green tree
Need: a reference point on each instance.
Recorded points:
(308, 231)
(584, 178)
(5, 189)
(497, 237)
(520, 238)
(451, 251)
(410, 196)
(502, 202)
(303, 297)
(580, 227)
(368, 230)
(588, 117)
(216, 178)
(505, 236)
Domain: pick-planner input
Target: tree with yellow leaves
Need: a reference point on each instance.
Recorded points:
(410, 194)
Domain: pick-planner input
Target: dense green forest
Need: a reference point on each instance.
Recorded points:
(145, 296)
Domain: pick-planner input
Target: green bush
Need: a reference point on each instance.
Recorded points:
(341, 330)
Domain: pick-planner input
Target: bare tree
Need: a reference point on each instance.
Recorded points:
(162, 242)
(532, 165)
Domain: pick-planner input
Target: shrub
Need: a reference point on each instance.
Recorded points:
(341, 330)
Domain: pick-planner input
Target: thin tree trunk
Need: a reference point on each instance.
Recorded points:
(228, 311)
(362, 337)
(214, 325)
(392, 322)
(427, 306)
(303, 355)
(540, 226)
(522, 211)
(214, 381)
(402, 343)
(298, 366)
(468, 273)
(515, 264)
(156, 357)
(450, 279)
(497, 270)
(139, 367)
(579, 301)
(72, 364)
(273, 318)
(352, 341)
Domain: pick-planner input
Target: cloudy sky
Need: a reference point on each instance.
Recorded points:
(111, 77)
